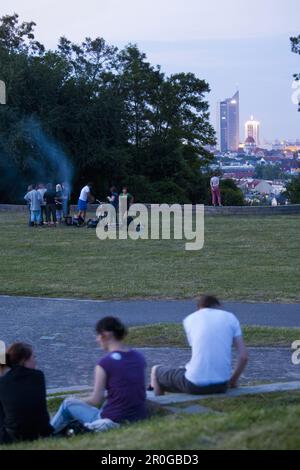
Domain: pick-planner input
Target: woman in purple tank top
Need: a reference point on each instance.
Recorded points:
(119, 386)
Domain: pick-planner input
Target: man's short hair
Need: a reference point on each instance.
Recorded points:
(208, 301)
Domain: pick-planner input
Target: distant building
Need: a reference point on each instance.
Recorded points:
(250, 145)
(228, 126)
(252, 129)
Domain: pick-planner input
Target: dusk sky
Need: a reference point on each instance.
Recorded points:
(230, 44)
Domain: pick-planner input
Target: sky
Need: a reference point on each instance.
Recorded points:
(233, 44)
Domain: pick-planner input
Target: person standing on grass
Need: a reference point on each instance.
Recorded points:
(128, 196)
(84, 198)
(34, 198)
(59, 203)
(211, 332)
(120, 373)
(114, 201)
(23, 405)
(49, 197)
(42, 189)
(29, 188)
(66, 197)
(215, 190)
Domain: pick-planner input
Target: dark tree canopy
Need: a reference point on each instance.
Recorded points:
(108, 114)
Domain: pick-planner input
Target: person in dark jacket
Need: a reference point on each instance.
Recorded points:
(49, 198)
(23, 406)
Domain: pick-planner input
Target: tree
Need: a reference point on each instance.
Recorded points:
(295, 43)
(115, 118)
(231, 194)
(293, 191)
(268, 172)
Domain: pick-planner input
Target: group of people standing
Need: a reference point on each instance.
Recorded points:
(119, 392)
(86, 197)
(47, 203)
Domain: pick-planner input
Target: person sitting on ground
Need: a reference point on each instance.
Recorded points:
(23, 406)
(84, 198)
(121, 373)
(211, 332)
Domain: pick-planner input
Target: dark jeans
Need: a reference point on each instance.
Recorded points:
(51, 210)
(174, 381)
(43, 214)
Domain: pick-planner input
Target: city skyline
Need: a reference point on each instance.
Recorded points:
(228, 124)
(223, 44)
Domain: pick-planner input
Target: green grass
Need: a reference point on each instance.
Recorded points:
(172, 335)
(244, 258)
(254, 422)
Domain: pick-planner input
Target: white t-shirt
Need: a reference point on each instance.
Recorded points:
(84, 194)
(215, 182)
(210, 333)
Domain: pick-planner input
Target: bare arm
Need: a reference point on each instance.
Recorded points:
(91, 198)
(98, 394)
(242, 361)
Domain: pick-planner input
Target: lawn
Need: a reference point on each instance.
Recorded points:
(252, 422)
(172, 335)
(244, 258)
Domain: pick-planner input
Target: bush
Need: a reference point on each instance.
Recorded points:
(293, 191)
(231, 194)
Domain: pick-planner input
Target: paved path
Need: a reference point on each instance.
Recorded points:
(74, 365)
(62, 332)
(38, 311)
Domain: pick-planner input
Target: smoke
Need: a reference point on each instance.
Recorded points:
(30, 157)
(53, 161)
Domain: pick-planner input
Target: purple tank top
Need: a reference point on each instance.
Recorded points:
(126, 393)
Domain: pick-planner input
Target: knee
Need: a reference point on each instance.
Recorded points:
(154, 370)
(68, 402)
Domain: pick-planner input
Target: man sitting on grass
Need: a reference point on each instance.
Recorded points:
(210, 332)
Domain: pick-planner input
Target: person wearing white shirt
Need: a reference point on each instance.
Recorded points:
(42, 189)
(34, 198)
(211, 332)
(215, 190)
(84, 198)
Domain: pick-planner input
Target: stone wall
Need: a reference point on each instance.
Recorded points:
(209, 211)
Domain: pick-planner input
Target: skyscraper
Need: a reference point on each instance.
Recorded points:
(252, 129)
(229, 124)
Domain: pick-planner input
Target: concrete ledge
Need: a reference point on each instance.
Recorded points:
(176, 398)
(65, 390)
(209, 211)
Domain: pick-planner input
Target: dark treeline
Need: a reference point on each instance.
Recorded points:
(106, 114)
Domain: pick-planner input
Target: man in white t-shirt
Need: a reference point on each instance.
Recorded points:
(215, 190)
(211, 332)
(84, 198)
